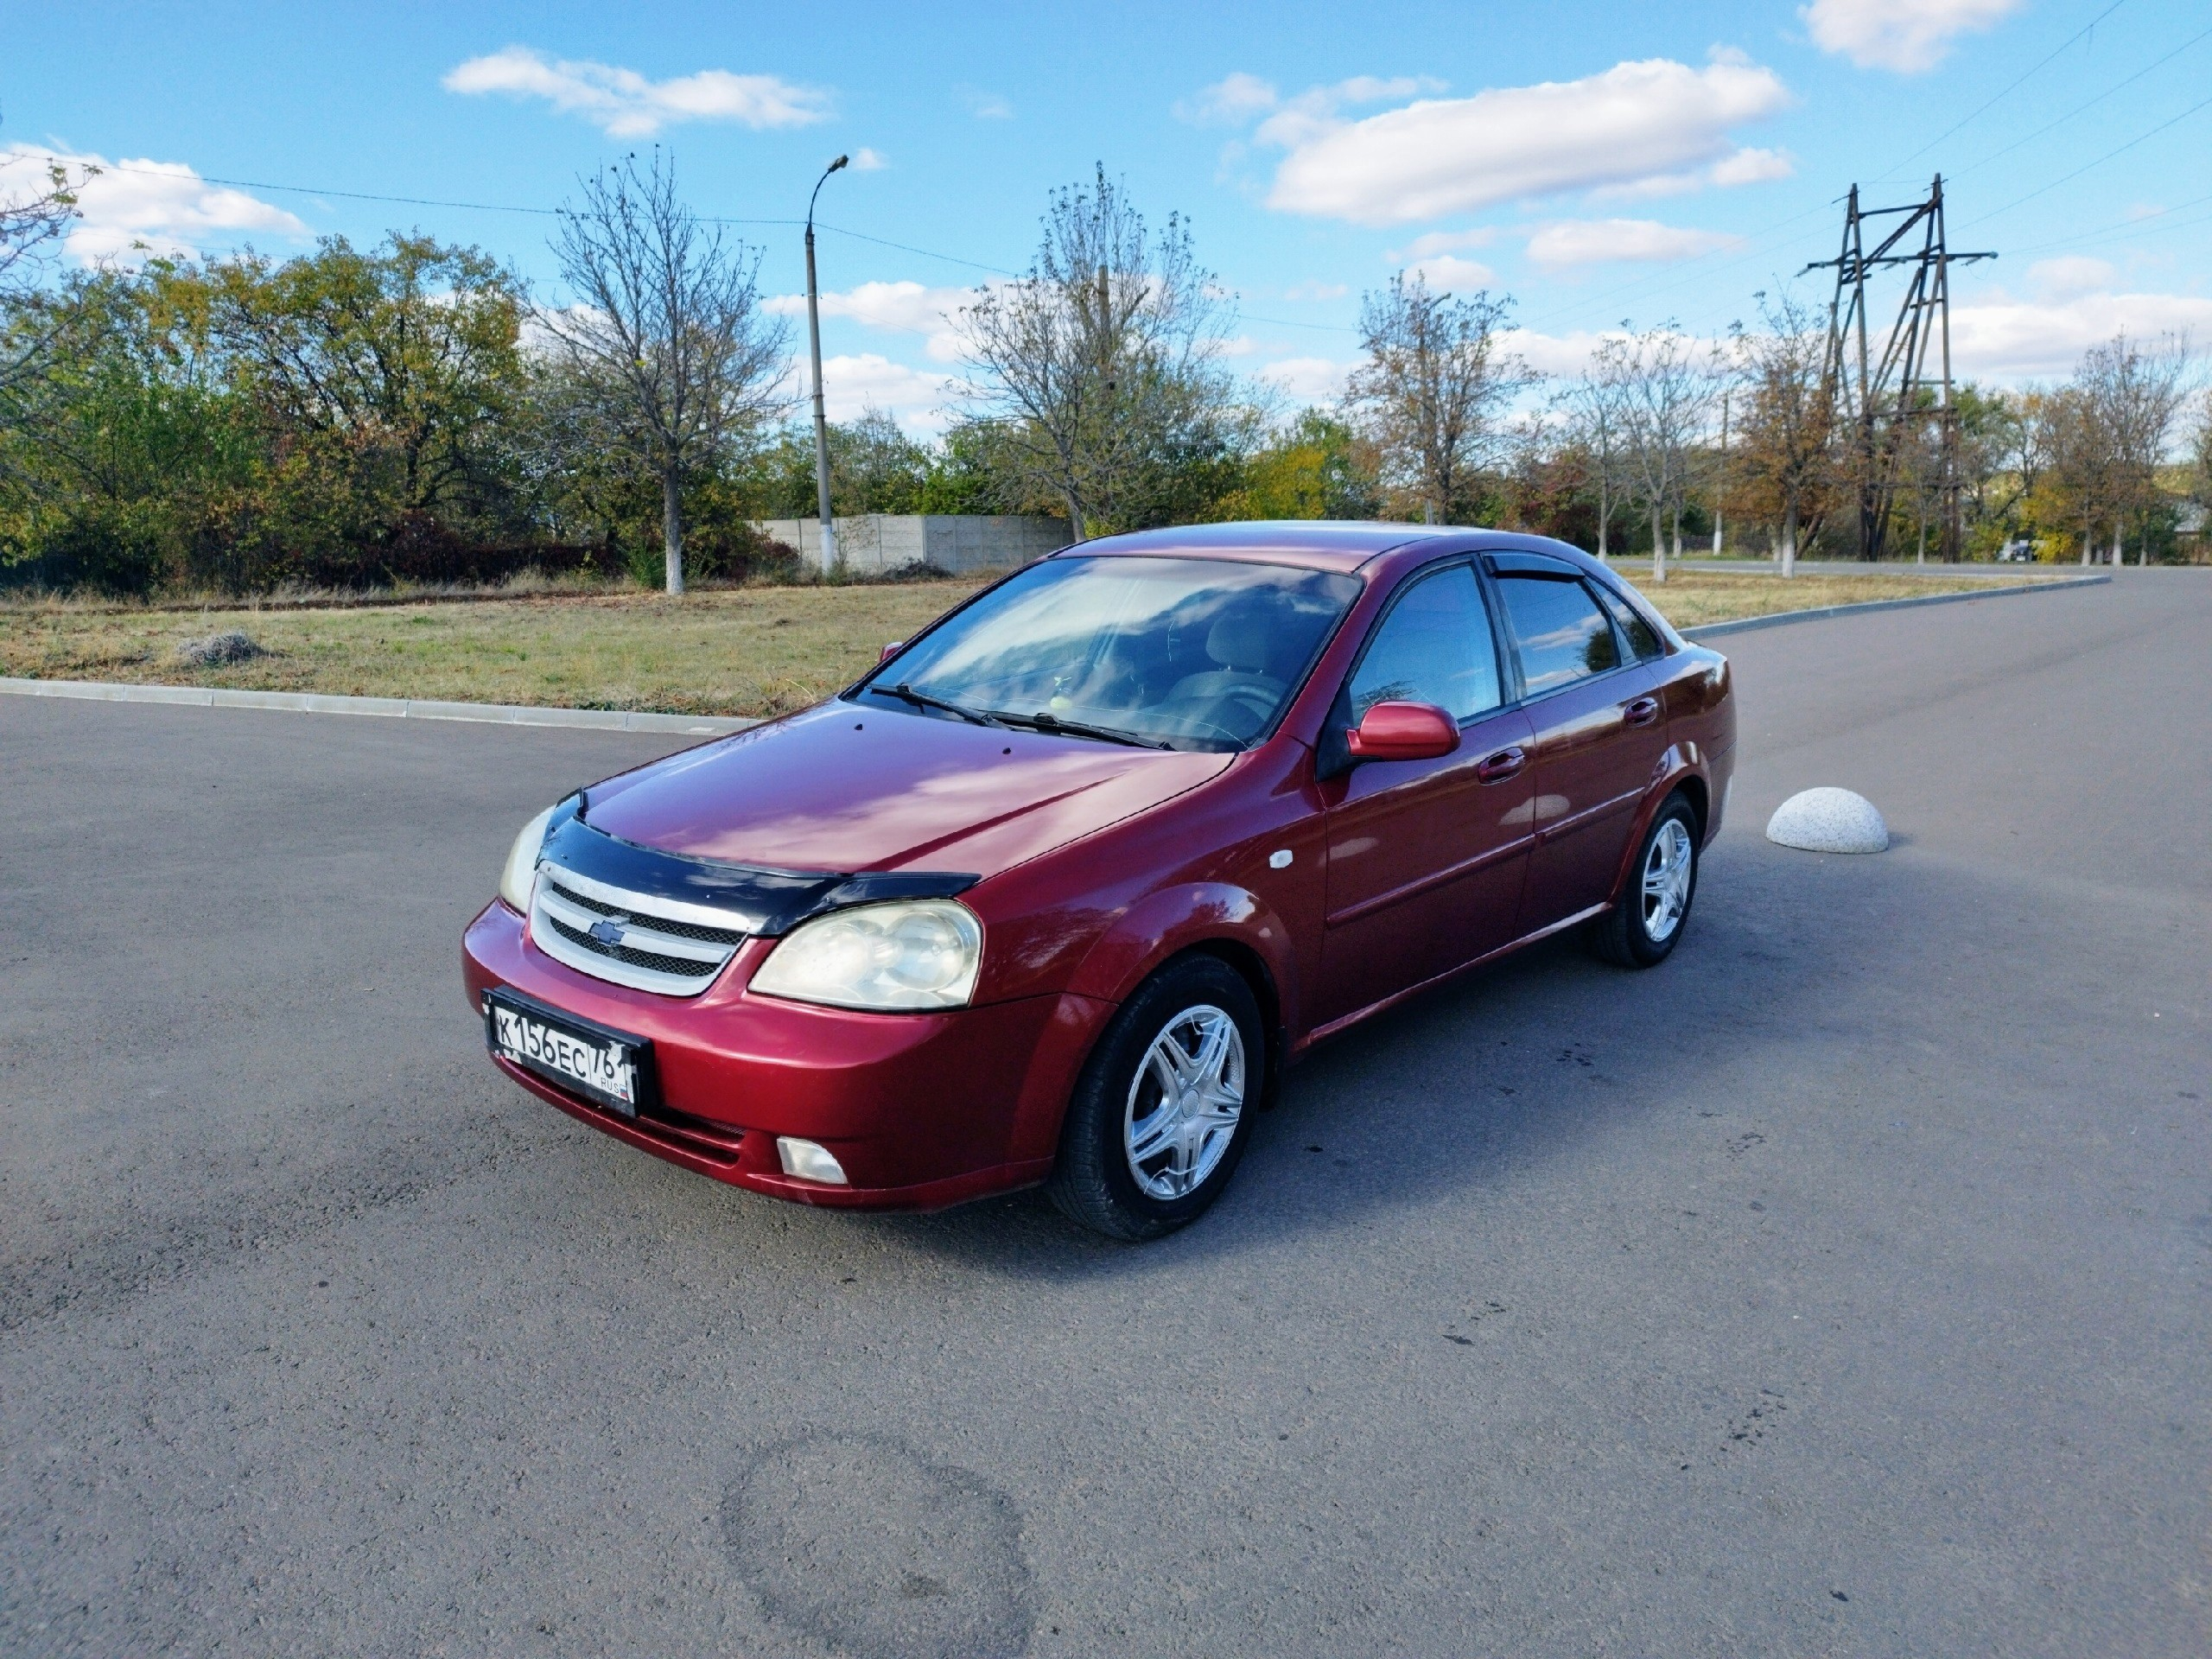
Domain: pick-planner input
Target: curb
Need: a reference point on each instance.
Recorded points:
(1714, 630)
(310, 703)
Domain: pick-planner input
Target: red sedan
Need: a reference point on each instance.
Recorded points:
(1057, 891)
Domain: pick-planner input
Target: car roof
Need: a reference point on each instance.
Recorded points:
(1316, 544)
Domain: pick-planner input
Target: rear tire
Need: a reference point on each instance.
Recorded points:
(1162, 1112)
(1653, 907)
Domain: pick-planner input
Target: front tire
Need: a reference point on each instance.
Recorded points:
(1644, 927)
(1161, 1114)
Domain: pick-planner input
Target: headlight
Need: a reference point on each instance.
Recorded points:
(522, 860)
(920, 954)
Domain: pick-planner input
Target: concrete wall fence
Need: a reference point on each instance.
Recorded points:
(873, 542)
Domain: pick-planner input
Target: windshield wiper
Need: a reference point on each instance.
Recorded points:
(923, 700)
(1042, 722)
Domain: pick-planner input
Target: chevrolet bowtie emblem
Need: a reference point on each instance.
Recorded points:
(609, 932)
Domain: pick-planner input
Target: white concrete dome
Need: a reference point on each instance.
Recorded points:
(1828, 820)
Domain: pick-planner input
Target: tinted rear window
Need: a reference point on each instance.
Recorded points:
(1557, 630)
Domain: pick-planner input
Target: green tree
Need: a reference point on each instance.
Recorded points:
(1317, 467)
(398, 367)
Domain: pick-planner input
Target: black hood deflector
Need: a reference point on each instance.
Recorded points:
(768, 902)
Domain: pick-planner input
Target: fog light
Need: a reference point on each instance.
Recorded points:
(808, 1162)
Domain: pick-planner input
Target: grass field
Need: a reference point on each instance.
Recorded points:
(747, 652)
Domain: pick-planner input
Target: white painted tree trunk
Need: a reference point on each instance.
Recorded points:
(1789, 540)
(671, 530)
(1658, 546)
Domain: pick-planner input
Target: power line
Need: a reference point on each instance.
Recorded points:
(926, 253)
(503, 206)
(2091, 104)
(2120, 230)
(2011, 87)
(2086, 166)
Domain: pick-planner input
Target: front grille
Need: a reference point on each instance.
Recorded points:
(650, 960)
(650, 950)
(661, 923)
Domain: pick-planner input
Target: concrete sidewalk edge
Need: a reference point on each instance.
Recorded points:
(311, 702)
(618, 720)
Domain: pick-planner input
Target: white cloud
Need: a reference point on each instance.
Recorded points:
(1229, 102)
(1741, 167)
(852, 385)
(909, 307)
(867, 161)
(1443, 241)
(1307, 379)
(2001, 338)
(1910, 36)
(625, 105)
(2070, 275)
(138, 207)
(1447, 273)
(1316, 290)
(1314, 112)
(986, 106)
(1600, 241)
(1752, 166)
(1635, 121)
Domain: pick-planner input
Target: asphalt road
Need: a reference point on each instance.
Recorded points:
(1843, 1286)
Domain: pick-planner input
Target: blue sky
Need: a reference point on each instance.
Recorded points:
(1599, 162)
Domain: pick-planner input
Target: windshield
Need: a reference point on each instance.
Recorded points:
(1182, 653)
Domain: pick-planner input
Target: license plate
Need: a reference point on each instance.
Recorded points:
(607, 1067)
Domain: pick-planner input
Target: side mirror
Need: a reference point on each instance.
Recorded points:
(891, 650)
(1404, 731)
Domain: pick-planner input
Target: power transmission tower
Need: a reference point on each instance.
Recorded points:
(1880, 402)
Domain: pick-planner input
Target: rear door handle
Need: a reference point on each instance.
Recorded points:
(1497, 768)
(1642, 712)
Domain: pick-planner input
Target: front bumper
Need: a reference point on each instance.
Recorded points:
(921, 1109)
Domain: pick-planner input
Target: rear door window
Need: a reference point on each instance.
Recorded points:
(1642, 642)
(1557, 633)
(1435, 646)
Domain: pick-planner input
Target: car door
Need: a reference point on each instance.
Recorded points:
(1599, 732)
(1425, 857)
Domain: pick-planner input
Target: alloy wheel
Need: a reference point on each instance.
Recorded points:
(1185, 1102)
(1668, 868)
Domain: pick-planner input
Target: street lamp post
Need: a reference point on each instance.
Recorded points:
(821, 423)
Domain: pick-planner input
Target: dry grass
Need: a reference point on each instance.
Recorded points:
(758, 650)
(749, 652)
(1691, 598)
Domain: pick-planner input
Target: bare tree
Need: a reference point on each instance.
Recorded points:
(34, 218)
(1595, 424)
(1787, 423)
(1433, 388)
(2078, 460)
(2201, 452)
(1101, 361)
(1667, 388)
(2131, 395)
(666, 318)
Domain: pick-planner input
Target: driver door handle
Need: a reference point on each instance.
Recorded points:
(1497, 768)
(1642, 712)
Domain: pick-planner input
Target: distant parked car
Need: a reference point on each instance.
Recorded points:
(2017, 553)
(1056, 892)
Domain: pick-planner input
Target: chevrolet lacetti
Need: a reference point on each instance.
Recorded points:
(1056, 892)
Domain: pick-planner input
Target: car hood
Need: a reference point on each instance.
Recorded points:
(846, 787)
